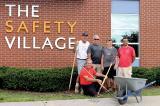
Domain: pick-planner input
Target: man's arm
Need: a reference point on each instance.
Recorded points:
(102, 60)
(118, 53)
(116, 62)
(76, 46)
(92, 80)
(100, 75)
(133, 55)
(89, 52)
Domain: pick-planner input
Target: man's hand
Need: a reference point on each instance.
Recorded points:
(115, 67)
(104, 75)
(99, 81)
(102, 68)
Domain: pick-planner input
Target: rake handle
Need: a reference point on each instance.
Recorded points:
(106, 76)
(72, 70)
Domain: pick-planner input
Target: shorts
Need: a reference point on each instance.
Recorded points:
(112, 72)
(124, 72)
(97, 67)
(80, 64)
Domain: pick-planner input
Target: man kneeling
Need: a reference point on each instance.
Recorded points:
(89, 84)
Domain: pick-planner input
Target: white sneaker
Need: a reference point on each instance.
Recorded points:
(77, 88)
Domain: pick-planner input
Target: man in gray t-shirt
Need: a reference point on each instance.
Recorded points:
(95, 53)
(109, 55)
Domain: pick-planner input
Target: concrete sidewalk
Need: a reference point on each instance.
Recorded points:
(147, 101)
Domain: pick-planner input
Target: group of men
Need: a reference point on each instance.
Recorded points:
(95, 60)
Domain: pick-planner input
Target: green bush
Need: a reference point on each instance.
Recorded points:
(50, 80)
(151, 74)
(139, 72)
(157, 75)
(41, 80)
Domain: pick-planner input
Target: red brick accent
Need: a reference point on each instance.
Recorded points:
(149, 33)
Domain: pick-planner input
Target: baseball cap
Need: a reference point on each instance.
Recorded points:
(84, 34)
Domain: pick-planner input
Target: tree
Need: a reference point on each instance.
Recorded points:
(133, 38)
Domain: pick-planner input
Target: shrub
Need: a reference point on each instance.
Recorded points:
(157, 75)
(139, 72)
(41, 80)
(50, 80)
(152, 74)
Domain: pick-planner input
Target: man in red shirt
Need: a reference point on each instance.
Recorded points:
(126, 56)
(88, 81)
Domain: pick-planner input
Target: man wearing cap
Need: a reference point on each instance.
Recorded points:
(81, 50)
(126, 56)
(95, 53)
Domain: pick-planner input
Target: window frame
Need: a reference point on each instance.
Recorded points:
(138, 29)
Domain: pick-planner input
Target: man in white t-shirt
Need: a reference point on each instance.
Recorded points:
(81, 50)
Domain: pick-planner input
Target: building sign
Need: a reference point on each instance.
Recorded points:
(21, 40)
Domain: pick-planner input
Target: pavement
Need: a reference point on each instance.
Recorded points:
(147, 101)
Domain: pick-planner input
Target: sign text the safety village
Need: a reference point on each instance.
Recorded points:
(25, 29)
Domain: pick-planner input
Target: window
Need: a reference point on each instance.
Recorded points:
(125, 22)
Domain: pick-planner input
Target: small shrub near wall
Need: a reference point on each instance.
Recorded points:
(40, 80)
(54, 80)
(152, 74)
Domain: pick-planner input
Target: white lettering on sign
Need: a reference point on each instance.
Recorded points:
(10, 41)
(25, 10)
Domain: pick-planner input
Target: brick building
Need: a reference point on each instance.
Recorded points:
(108, 18)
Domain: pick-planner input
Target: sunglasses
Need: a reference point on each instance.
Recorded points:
(109, 40)
(96, 39)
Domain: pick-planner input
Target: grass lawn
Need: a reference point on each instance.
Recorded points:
(19, 96)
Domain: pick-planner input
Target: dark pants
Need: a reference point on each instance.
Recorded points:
(111, 73)
(90, 90)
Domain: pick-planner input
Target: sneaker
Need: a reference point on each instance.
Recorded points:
(77, 88)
